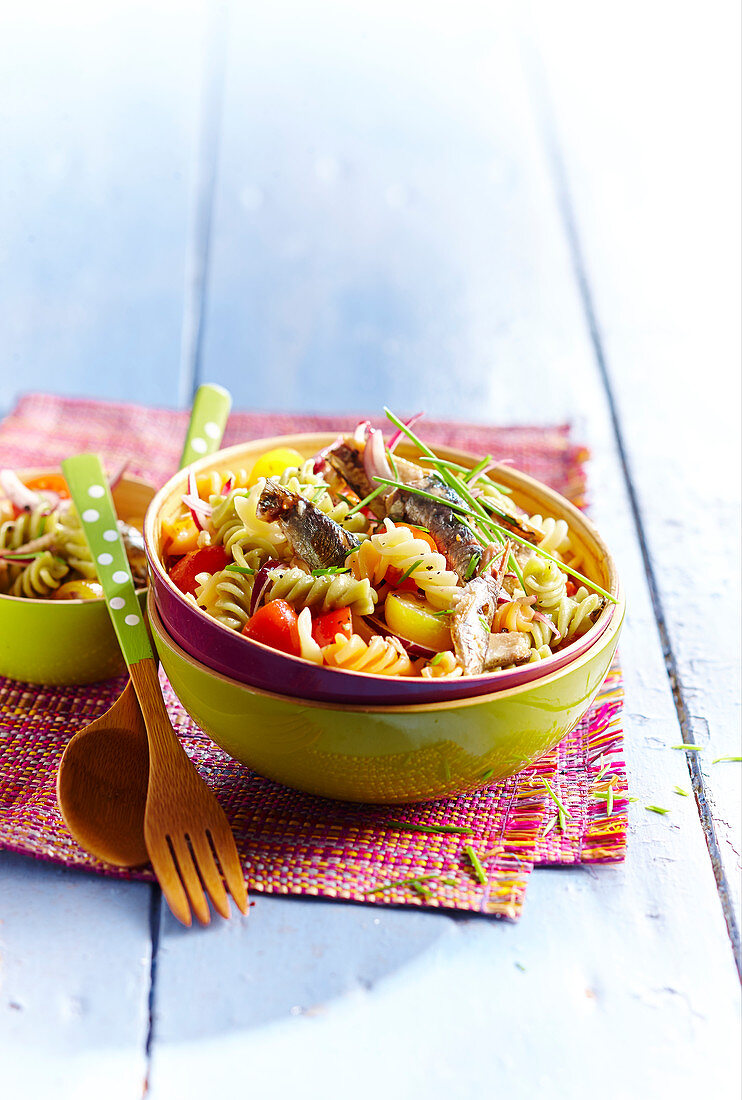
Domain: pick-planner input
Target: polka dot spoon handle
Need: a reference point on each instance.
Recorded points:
(209, 414)
(185, 829)
(91, 495)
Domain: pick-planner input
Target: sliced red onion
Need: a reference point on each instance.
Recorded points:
(399, 433)
(361, 431)
(261, 582)
(18, 493)
(17, 561)
(199, 509)
(227, 487)
(319, 458)
(53, 500)
(541, 618)
(375, 462)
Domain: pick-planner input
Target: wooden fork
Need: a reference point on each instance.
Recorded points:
(185, 829)
(184, 825)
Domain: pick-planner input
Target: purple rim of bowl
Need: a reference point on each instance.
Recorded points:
(260, 666)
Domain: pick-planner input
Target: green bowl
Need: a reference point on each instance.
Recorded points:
(60, 642)
(386, 754)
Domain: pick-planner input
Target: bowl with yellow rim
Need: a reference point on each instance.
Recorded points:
(66, 641)
(231, 654)
(379, 753)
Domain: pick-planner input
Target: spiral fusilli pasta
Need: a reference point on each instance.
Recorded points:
(398, 547)
(324, 593)
(380, 655)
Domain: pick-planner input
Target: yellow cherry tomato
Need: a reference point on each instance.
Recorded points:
(274, 462)
(179, 535)
(417, 621)
(79, 590)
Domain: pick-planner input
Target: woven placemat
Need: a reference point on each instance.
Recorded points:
(293, 843)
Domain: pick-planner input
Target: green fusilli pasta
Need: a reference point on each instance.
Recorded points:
(226, 595)
(40, 577)
(325, 593)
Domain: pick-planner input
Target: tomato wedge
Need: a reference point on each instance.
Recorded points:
(54, 483)
(207, 560)
(275, 624)
(326, 627)
(393, 575)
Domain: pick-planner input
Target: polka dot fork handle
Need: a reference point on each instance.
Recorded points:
(92, 497)
(209, 414)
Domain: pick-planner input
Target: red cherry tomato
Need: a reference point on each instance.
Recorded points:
(275, 624)
(392, 576)
(210, 559)
(325, 627)
(54, 483)
(571, 587)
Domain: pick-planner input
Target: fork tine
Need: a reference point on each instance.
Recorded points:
(189, 878)
(209, 871)
(167, 875)
(226, 849)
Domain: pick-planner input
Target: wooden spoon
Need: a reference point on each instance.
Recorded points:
(188, 838)
(103, 774)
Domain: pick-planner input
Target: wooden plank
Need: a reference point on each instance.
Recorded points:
(97, 126)
(373, 231)
(75, 959)
(664, 302)
(627, 973)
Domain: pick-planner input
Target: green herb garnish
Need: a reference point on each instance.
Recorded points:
(478, 868)
(488, 525)
(479, 466)
(436, 660)
(550, 826)
(485, 624)
(448, 611)
(474, 561)
(679, 790)
(365, 501)
(555, 797)
(401, 882)
(609, 801)
(234, 568)
(657, 809)
(727, 759)
(410, 827)
(330, 571)
(688, 748)
(488, 773)
(408, 572)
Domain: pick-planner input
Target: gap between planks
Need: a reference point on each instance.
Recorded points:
(545, 116)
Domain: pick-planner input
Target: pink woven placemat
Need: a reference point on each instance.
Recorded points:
(293, 843)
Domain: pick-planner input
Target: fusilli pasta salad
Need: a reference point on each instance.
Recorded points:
(359, 559)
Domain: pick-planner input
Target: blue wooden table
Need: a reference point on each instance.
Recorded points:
(522, 213)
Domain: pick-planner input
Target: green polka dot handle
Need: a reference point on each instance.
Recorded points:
(209, 414)
(91, 495)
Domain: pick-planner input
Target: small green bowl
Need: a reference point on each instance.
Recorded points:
(386, 754)
(60, 642)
